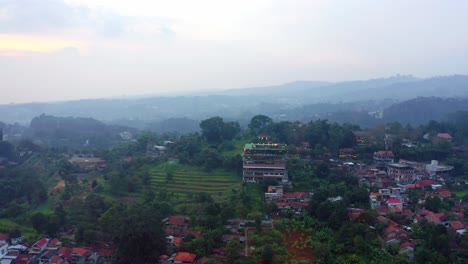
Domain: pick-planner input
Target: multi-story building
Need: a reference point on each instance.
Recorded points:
(383, 157)
(265, 161)
(401, 172)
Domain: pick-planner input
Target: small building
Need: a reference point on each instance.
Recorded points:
(445, 136)
(39, 246)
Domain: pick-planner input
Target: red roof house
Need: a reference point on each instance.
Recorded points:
(446, 136)
(184, 257)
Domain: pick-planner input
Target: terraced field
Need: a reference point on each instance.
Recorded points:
(189, 181)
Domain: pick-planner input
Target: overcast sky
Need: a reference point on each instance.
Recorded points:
(71, 49)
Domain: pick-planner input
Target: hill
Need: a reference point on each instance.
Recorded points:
(74, 131)
(423, 109)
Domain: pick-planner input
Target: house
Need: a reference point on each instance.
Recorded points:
(4, 238)
(54, 244)
(39, 246)
(47, 256)
(445, 136)
(184, 258)
(444, 194)
(393, 203)
(23, 259)
(458, 227)
(177, 222)
(78, 254)
(347, 153)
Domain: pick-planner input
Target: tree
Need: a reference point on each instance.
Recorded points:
(215, 130)
(39, 221)
(212, 129)
(259, 123)
(138, 232)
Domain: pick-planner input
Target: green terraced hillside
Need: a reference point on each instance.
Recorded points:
(188, 181)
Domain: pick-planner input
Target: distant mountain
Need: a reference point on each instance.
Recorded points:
(299, 100)
(423, 109)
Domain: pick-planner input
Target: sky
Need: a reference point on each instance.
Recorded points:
(55, 50)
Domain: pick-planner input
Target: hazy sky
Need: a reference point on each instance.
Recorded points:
(69, 49)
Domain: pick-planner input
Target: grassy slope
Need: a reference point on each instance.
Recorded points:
(191, 180)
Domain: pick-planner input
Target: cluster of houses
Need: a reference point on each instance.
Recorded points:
(179, 228)
(393, 181)
(48, 251)
(295, 202)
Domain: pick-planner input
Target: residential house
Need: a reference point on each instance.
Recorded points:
(184, 258)
(394, 203)
(23, 259)
(177, 222)
(445, 136)
(47, 256)
(79, 254)
(457, 226)
(39, 246)
(4, 238)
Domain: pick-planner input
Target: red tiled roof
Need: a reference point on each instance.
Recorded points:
(64, 251)
(444, 135)
(4, 236)
(55, 259)
(410, 186)
(80, 251)
(394, 200)
(178, 240)
(382, 210)
(408, 212)
(445, 193)
(390, 230)
(185, 257)
(396, 209)
(435, 218)
(376, 194)
(22, 259)
(177, 220)
(54, 242)
(192, 232)
(424, 183)
(41, 243)
(385, 152)
(457, 225)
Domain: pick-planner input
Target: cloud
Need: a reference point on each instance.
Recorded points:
(46, 16)
(58, 17)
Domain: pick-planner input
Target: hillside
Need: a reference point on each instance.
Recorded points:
(423, 109)
(74, 131)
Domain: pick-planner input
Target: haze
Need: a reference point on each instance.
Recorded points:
(61, 50)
